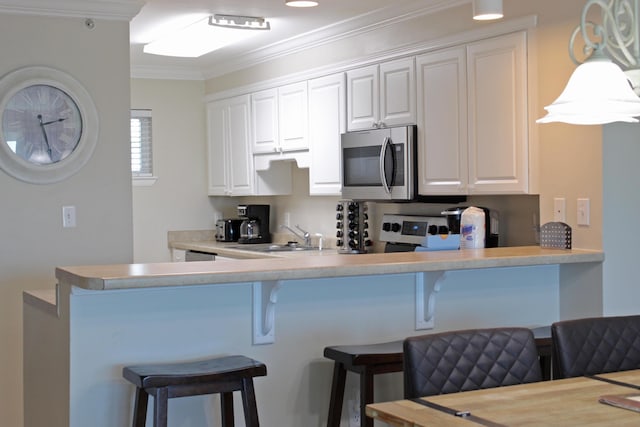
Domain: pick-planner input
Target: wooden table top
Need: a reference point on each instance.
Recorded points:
(568, 402)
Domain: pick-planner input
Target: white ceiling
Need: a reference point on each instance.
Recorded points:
(291, 29)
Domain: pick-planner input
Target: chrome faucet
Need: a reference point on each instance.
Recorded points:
(302, 234)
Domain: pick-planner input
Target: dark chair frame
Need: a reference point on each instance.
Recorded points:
(595, 345)
(469, 360)
(366, 361)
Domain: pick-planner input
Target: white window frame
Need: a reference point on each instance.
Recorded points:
(143, 179)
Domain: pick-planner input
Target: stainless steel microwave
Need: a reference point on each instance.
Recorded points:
(379, 164)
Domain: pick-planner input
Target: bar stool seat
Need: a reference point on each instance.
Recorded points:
(222, 375)
(367, 361)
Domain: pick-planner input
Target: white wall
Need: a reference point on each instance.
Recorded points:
(33, 240)
(178, 200)
(621, 203)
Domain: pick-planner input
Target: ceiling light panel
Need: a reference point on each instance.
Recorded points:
(196, 40)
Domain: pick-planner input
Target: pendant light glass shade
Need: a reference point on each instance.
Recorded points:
(301, 3)
(598, 92)
(486, 10)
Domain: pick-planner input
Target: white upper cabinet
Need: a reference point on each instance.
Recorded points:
(442, 122)
(326, 124)
(472, 118)
(293, 117)
(279, 119)
(381, 95)
(230, 162)
(264, 120)
(498, 131)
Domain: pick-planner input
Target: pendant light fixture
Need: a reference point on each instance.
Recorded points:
(487, 10)
(599, 91)
(301, 3)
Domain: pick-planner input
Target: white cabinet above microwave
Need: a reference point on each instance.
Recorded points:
(381, 95)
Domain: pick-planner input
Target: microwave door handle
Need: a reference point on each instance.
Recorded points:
(383, 175)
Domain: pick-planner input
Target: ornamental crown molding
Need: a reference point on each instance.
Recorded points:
(122, 10)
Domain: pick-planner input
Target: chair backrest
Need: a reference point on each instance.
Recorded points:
(469, 360)
(595, 345)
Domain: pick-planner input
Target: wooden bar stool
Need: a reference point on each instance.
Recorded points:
(367, 361)
(222, 375)
(542, 336)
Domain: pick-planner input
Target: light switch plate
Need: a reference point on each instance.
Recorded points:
(583, 212)
(68, 216)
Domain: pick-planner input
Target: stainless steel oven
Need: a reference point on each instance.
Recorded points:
(380, 164)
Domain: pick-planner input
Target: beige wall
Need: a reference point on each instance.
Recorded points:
(569, 156)
(33, 240)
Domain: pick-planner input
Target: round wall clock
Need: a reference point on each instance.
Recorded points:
(48, 125)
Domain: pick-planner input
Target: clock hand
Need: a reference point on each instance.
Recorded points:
(52, 121)
(44, 133)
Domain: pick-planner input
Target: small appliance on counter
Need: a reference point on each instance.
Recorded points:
(352, 227)
(409, 233)
(228, 230)
(254, 227)
(454, 217)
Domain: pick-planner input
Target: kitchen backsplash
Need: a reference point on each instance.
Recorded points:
(519, 214)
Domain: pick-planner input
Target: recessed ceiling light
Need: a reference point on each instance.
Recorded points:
(301, 3)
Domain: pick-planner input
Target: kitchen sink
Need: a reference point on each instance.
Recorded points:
(273, 247)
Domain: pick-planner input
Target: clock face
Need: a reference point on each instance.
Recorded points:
(42, 124)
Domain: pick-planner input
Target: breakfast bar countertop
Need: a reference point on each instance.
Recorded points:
(128, 276)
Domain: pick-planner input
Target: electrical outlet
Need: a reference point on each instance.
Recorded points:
(287, 219)
(560, 209)
(68, 216)
(354, 412)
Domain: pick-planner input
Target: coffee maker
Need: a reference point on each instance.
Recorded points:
(255, 225)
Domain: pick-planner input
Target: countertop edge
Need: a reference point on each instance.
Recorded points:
(128, 276)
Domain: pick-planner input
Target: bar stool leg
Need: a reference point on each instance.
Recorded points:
(226, 409)
(249, 403)
(366, 397)
(140, 408)
(160, 407)
(337, 395)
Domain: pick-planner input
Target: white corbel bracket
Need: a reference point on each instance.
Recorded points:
(427, 285)
(265, 296)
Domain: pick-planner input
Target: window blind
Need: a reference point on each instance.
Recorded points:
(141, 144)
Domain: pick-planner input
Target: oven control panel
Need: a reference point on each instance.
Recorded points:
(411, 228)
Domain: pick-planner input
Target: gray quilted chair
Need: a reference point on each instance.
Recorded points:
(469, 360)
(595, 345)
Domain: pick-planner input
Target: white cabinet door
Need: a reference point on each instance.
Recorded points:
(498, 133)
(363, 100)
(240, 160)
(397, 93)
(264, 119)
(230, 163)
(472, 118)
(442, 122)
(292, 117)
(381, 95)
(217, 128)
(326, 124)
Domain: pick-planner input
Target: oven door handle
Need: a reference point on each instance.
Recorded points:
(383, 175)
